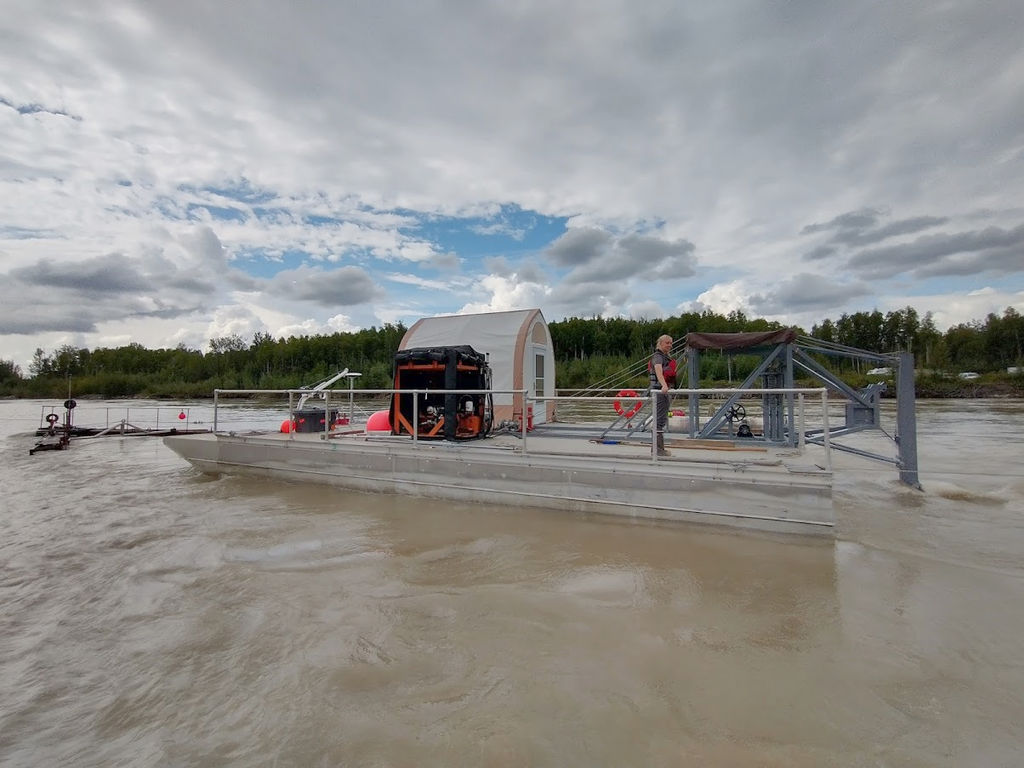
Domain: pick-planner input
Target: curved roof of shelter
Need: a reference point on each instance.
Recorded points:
(502, 336)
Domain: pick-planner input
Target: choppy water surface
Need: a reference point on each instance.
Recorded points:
(153, 616)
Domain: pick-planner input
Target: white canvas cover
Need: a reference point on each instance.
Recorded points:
(504, 337)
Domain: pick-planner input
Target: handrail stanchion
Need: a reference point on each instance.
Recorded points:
(215, 393)
(803, 425)
(327, 413)
(291, 415)
(415, 414)
(654, 424)
(522, 421)
(824, 433)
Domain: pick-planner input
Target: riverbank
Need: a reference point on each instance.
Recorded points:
(943, 389)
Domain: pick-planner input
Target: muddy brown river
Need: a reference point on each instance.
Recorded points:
(154, 616)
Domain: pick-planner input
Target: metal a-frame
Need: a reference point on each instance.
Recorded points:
(781, 352)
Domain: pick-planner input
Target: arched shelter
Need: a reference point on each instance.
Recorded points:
(518, 348)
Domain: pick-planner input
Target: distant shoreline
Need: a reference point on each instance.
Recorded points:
(967, 390)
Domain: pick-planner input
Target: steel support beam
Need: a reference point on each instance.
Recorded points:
(906, 421)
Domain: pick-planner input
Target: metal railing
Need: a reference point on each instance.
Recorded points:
(799, 428)
(111, 417)
(528, 400)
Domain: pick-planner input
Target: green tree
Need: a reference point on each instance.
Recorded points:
(66, 360)
(826, 331)
(965, 345)
(41, 365)
(9, 372)
(232, 343)
(930, 342)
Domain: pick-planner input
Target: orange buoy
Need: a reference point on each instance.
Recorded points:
(286, 426)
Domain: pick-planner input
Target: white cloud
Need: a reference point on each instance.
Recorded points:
(234, 320)
(506, 293)
(340, 324)
(646, 310)
(722, 298)
(689, 146)
(951, 309)
(420, 282)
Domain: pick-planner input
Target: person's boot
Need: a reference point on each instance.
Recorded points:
(661, 445)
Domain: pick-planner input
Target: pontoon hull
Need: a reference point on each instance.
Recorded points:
(761, 495)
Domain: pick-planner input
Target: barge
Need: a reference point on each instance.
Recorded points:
(561, 467)
(751, 456)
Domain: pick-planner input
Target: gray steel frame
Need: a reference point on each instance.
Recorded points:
(799, 353)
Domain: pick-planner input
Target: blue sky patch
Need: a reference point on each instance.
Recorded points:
(512, 232)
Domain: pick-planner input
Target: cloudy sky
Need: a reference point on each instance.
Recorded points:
(176, 171)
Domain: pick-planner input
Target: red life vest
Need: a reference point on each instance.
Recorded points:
(669, 370)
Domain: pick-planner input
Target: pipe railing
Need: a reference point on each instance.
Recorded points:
(142, 417)
(821, 392)
(529, 400)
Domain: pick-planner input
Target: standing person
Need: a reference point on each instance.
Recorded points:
(659, 367)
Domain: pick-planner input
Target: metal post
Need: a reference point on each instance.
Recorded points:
(327, 414)
(693, 373)
(654, 425)
(291, 415)
(906, 421)
(787, 382)
(522, 421)
(824, 430)
(803, 422)
(415, 414)
(215, 392)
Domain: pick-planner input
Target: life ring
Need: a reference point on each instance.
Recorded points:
(628, 414)
(52, 418)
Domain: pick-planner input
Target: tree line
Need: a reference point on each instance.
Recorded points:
(586, 349)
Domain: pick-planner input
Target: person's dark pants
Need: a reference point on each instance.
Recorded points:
(661, 404)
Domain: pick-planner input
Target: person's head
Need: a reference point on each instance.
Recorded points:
(665, 343)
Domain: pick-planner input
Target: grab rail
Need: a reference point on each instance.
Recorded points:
(529, 400)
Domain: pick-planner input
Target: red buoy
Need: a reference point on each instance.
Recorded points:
(379, 422)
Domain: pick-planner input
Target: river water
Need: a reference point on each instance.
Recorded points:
(154, 616)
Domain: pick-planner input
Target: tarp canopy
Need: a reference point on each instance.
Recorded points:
(499, 335)
(463, 354)
(739, 340)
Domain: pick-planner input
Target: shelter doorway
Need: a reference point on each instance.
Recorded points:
(539, 383)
